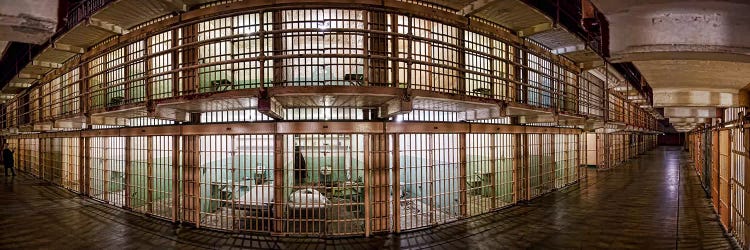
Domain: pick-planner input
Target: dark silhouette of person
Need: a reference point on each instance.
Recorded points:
(300, 167)
(8, 159)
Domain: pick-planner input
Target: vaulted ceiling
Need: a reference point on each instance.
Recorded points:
(695, 54)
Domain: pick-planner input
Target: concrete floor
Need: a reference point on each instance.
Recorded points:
(653, 202)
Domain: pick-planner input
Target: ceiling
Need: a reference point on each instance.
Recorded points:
(693, 53)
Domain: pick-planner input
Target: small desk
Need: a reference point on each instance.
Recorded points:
(354, 79)
(220, 85)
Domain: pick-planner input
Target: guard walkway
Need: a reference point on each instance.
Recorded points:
(654, 201)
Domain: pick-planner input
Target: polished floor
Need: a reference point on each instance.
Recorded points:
(653, 202)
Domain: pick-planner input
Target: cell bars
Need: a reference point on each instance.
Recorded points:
(154, 174)
(738, 194)
(70, 161)
(428, 179)
(107, 170)
(490, 172)
(324, 184)
(309, 184)
(29, 156)
(237, 182)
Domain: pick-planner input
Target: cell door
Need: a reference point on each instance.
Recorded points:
(428, 179)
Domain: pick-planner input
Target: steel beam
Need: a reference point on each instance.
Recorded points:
(68, 48)
(396, 106)
(43, 64)
(536, 29)
(106, 26)
(474, 7)
(176, 5)
(271, 107)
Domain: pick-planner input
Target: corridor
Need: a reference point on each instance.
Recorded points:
(651, 202)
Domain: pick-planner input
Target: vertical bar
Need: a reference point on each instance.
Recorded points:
(278, 184)
(462, 88)
(105, 158)
(367, 183)
(462, 200)
(278, 48)
(526, 168)
(378, 45)
(396, 173)
(493, 170)
(190, 83)
(746, 205)
(553, 149)
(128, 171)
(147, 71)
(126, 75)
(395, 54)
(191, 176)
(379, 167)
(175, 177)
(150, 174)
(409, 51)
(85, 166)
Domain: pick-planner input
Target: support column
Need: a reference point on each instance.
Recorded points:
(377, 73)
(522, 74)
(175, 65)
(379, 194)
(553, 148)
(278, 48)
(581, 151)
(190, 83)
(461, 60)
(105, 166)
(191, 175)
(746, 142)
(150, 174)
(396, 173)
(85, 166)
(128, 85)
(462, 200)
(493, 170)
(128, 166)
(395, 78)
(175, 178)
(278, 184)
(149, 80)
(525, 171)
(540, 165)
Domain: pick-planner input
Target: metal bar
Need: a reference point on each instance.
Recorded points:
(128, 173)
(176, 198)
(463, 201)
(278, 185)
(150, 174)
(396, 173)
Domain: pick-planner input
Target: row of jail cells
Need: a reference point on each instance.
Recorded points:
(607, 150)
(319, 47)
(325, 184)
(719, 157)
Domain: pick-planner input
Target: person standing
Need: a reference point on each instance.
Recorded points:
(8, 159)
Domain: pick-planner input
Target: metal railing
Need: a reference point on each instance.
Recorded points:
(242, 51)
